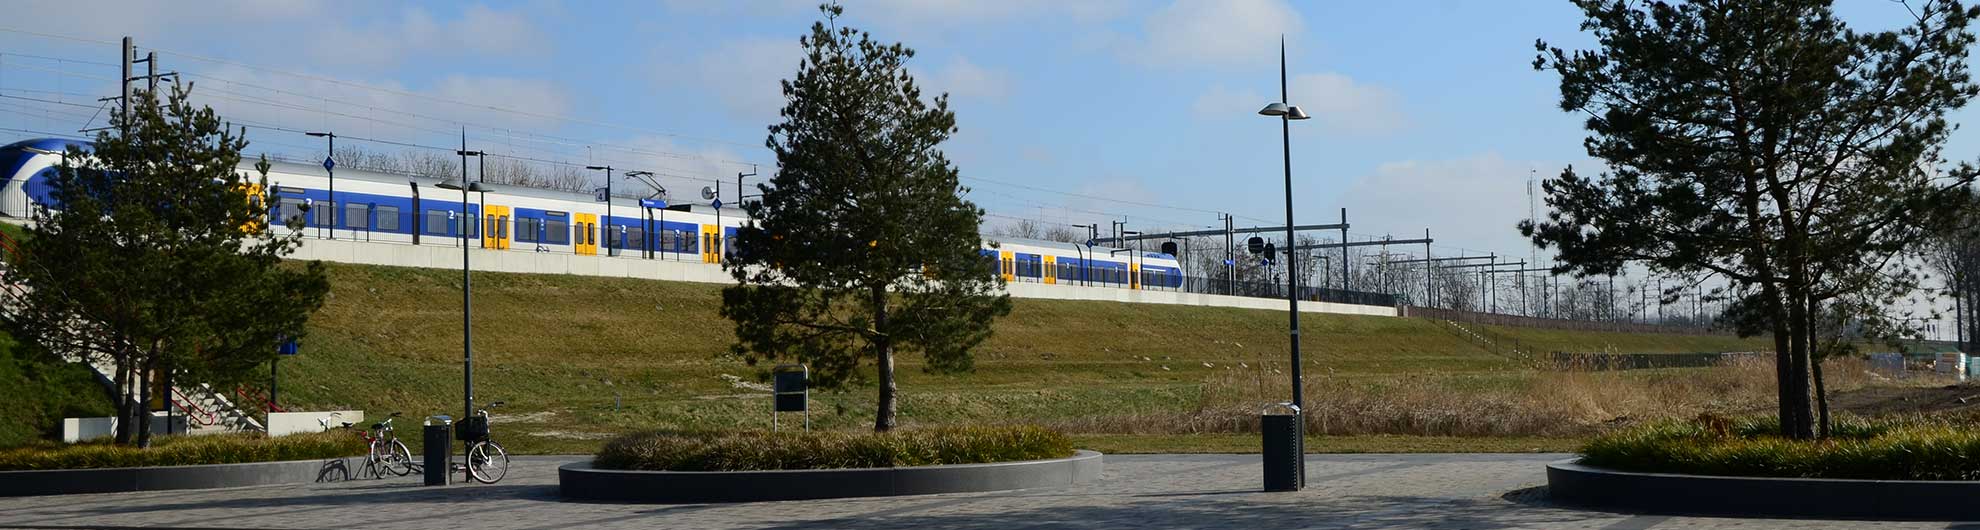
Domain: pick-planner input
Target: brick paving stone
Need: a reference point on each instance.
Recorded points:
(1455, 491)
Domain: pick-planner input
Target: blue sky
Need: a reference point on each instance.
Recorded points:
(1429, 114)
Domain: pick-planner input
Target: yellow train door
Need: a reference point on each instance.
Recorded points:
(495, 226)
(1051, 272)
(711, 244)
(1134, 276)
(584, 233)
(1007, 264)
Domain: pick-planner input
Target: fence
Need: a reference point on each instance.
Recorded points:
(1201, 285)
(1496, 319)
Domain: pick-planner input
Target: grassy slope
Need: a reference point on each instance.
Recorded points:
(1601, 341)
(35, 396)
(580, 358)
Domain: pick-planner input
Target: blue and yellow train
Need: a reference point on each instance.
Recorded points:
(398, 209)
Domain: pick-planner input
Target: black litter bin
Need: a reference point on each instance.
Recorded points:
(439, 437)
(1285, 465)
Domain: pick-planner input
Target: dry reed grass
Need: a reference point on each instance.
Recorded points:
(1521, 403)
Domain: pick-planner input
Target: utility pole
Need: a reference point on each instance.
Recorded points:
(1344, 251)
(1429, 299)
(125, 100)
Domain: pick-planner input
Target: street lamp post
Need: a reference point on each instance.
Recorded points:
(330, 166)
(1286, 113)
(467, 289)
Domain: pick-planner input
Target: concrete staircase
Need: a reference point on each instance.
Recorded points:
(206, 410)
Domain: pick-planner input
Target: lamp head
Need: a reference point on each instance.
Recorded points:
(455, 184)
(1296, 114)
(598, 167)
(1275, 109)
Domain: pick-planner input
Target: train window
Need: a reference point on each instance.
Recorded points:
(526, 229)
(388, 218)
(287, 211)
(436, 222)
(591, 234)
(501, 227)
(637, 234)
(557, 231)
(356, 215)
(324, 213)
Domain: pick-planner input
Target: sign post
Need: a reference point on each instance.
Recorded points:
(288, 347)
(789, 392)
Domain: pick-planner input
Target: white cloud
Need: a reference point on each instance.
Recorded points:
(394, 112)
(914, 13)
(743, 75)
(964, 79)
(1338, 103)
(1214, 32)
(1343, 104)
(1472, 202)
(537, 96)
(477, 30)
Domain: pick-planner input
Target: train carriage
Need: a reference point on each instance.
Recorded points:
(376, 207)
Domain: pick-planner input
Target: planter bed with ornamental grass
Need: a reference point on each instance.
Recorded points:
(1902, 469)
(760, 466)
(179, 462)
(183, 451)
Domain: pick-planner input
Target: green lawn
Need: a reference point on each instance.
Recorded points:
(580, 359)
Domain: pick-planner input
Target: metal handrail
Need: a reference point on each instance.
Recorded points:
(258, 397)
(206, 418)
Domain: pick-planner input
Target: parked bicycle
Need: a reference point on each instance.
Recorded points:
(387, 454)
(486, 462)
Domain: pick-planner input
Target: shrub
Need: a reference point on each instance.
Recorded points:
(757, 450)
(1913, 449)
(184, 451)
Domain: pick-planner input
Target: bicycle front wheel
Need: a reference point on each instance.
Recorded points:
(487, 462)
(399, 459)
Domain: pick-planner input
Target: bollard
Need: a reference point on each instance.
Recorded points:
(1285, 463)
(439, 449)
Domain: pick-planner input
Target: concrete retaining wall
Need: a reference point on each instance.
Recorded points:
(1576, 484)
(286, 423)
(85, 429)
(448, 256)
(1075, 292)
(581, 481)
(113, 480)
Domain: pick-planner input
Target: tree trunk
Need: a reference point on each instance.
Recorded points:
(124, 416)
(1821, 401)
(1783, 358)
(1803, 427)
(144, 402)
(883, 349)
(1815, 358)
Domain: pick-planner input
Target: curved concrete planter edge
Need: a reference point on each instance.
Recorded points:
(126, 479)
(580, 481)
(1591, 487)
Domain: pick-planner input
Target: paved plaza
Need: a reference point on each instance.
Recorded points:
(1136, 491)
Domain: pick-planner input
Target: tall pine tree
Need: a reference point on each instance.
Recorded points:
(1767, 144)
(862, 248)
(159, 259)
